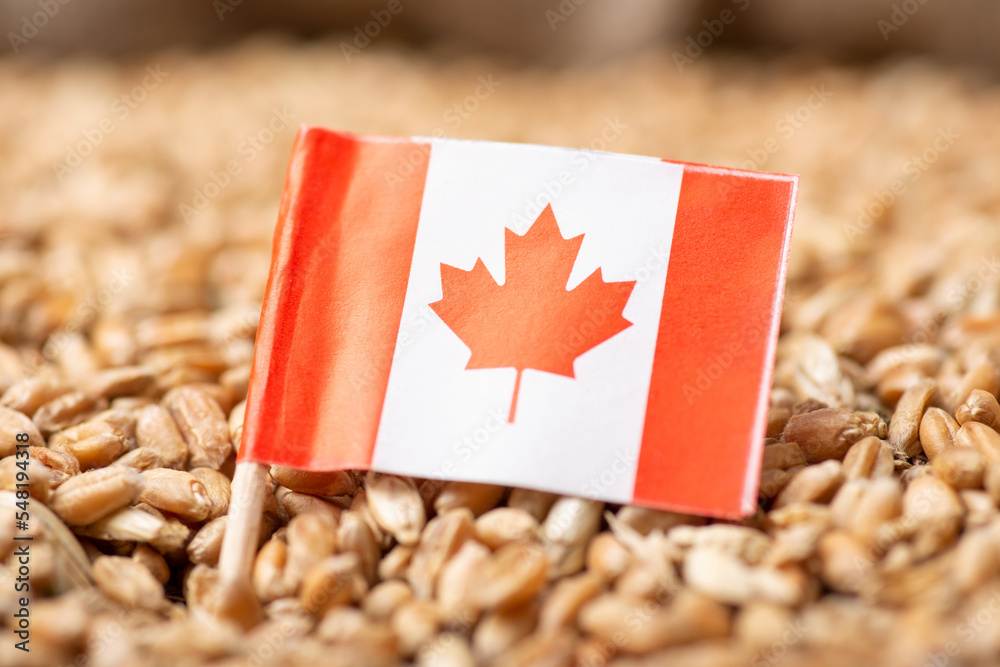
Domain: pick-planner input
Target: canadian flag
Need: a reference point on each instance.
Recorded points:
(585, 323)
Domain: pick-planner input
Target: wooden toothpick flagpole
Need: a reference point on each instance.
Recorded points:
(237, 600)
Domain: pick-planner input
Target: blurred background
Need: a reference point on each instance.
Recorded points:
(143, 149)
(154, 136)
(170, 123)
(528, 30)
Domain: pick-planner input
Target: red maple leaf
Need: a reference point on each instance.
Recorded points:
(532, 320)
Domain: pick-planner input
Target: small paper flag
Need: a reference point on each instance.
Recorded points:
(585, 323)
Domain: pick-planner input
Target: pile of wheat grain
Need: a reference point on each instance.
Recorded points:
(139, 201)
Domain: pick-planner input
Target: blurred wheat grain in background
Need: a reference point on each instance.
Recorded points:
(139, 197)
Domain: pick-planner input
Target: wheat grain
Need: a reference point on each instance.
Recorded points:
(396, 506)
(177, 492)
(937, 432)
(980, 437)
(905, 424)
(828, 433)
(205, 546)
(12, 423)
(65, 411)
(157, 432)
(498, 631)
(961, 467)
(504, 525)
(90, 496)
(29, 394)
(128, 582)
(325, 484)
(854, 555)
(202, 424)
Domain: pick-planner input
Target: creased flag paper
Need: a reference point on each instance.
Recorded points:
(585, 323)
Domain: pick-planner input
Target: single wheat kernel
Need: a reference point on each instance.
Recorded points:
(905, 424)
(129, 582)
(90, 496)
(206, 545)
(202, 424)
(937, 432)
(980, 406)
(11, 424)
(828, 433)
(396, 506)
(868, 457)
(156, 431)
(177, 492)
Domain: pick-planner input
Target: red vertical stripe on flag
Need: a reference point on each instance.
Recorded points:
(339, 270)
(706, 413)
